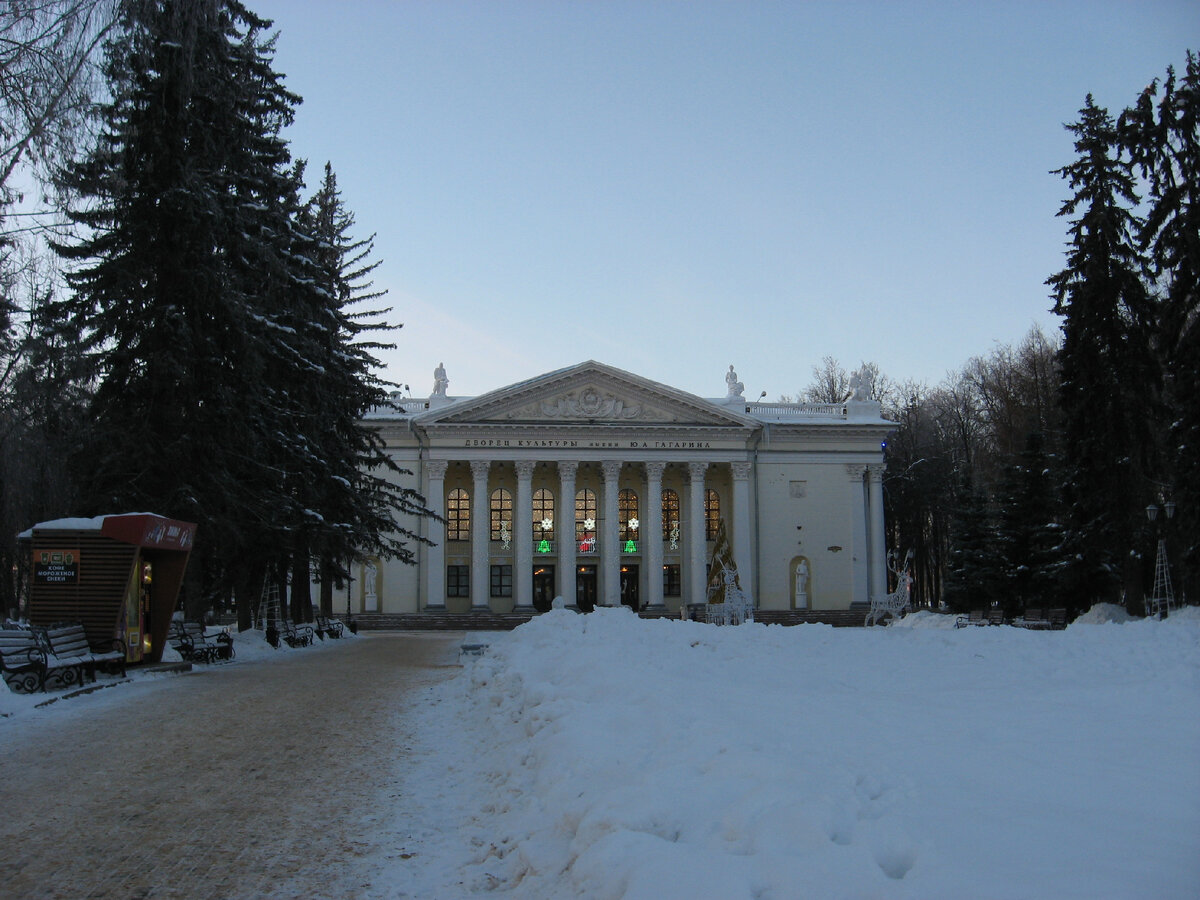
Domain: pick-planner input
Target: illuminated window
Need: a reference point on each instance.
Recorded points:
(458, 516)
(501, 512)
(712, 514)
(585, 513)
(670, 515)
(458, 581)
(501, 581)
(627, 515)
(543, 511)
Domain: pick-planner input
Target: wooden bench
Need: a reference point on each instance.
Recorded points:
(194, 645)
(26, 665)
(327, 626)
(1043, 619)
(70, 641)
(295, 635)
(974, 617)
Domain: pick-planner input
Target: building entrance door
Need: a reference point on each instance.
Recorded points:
(585, 588)
(629, 586)
(543, 587)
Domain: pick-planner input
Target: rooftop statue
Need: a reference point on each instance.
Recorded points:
(735, 386)
(440, 381)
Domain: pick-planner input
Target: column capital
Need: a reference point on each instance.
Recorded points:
(567, 468)
(741, 470)
(654, 470)
(524, 468)
(480, 468)
(436, 467)
(696, 470)
(611, 469)
(856, 471)
(875, 472)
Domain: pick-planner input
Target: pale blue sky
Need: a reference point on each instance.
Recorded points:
(674, 187)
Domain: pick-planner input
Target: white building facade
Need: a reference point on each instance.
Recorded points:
(604, 488)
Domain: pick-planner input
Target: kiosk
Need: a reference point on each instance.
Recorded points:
(119, 575)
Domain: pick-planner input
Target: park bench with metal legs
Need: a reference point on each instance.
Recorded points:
(1039, 619)
(974, 617)
(27, 666)
(327, 627)
(70, 641)
(194, 645)
(295, 635)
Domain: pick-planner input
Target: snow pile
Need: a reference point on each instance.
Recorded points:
(607, 757)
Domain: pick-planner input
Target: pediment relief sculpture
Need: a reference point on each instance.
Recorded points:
(589, 403)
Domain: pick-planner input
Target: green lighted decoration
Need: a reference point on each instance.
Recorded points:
(543, 546)
(631, 546)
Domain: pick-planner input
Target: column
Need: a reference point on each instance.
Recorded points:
(481, 533)
(564, 529)
(435, 559)
(651, 533)
(697, 579)
(523, 536)
(610, 550)
(743, 551)
(859, 585)
(875, 528)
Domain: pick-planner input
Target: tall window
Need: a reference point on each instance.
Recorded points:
(501, 581)
(543, 511)
(501, 513)
(585, 513)
(672, 581)
(712, 514)
(458, 516)
(670, 518)
(627, 512)
(458, 581)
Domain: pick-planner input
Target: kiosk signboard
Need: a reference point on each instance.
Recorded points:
(54, 566)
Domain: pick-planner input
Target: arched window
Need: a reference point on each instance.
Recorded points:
(585, 521)
(501, 514)
(543, 511)
(627, 514)
(458, 515)
(712, 514)
(670, 518)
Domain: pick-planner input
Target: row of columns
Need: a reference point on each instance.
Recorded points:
(869, 573)
(610, 551)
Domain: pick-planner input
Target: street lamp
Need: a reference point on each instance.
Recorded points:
(1162, 598)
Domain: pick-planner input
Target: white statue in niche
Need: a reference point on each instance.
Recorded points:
(802, 584)
(440, 381)
(735, 386)
(370, 598)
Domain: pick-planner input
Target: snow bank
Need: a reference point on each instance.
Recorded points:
(607, 757)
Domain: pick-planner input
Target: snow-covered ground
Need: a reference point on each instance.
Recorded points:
(603, 756)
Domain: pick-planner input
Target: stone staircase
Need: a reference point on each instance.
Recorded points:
(491, 621)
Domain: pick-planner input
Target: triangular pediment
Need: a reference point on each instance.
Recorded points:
(590, 393)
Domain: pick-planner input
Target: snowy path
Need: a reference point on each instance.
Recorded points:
(243, 781)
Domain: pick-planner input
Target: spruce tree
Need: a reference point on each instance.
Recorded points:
(1107, 367)
(1162, 137)
(1029, 535)
(973, 570)
(352, 492)
(179, 290)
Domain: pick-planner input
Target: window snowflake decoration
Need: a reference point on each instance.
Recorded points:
(589, 524)
(547, 524)
(633, 524)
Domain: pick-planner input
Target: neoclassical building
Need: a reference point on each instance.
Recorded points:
(604, 488)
